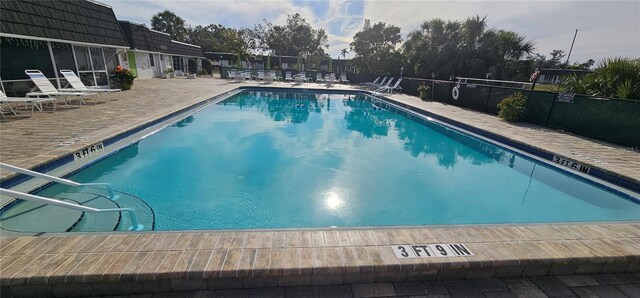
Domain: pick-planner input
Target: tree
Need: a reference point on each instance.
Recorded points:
(217, 38)
(453, 48)
(613, 77)
(375, 49)
(295, 38)
(169, 22)
(344, 53)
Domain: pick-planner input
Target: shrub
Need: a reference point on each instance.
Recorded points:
(512, 108)
(122, 75)
(613, 77)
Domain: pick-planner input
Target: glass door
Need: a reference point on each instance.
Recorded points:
(92, 68)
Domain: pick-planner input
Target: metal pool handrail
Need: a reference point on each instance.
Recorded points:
(107, 186)
(16, 194)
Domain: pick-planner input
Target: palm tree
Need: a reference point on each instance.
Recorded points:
(344, 53)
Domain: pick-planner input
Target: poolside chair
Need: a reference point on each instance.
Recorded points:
(261, 75)
(343, 78)
(77, 85)
(379, 84)
(247, 75)
(231, 74)
(384, 87)
(319, 78)
(373, 83)
(270, 76)
(48, 90)
(287, 76)
(33, 102)
(395, 87)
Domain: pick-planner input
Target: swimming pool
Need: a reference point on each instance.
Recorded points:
(271, 159)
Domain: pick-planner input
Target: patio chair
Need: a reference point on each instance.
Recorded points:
(343, 78)
(319, 78)
(239, 76)
(48, 90)
(77, 85)
(231, 74)
(247, 75)
(261, 75)
(396, 86)
(385, 87)
(33, 102)
(287, 76)
(270, 76)
(373, 83)
(379, 84)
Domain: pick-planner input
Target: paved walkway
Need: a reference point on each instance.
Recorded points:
(603, 285)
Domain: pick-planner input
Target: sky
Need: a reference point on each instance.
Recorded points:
(606, 28)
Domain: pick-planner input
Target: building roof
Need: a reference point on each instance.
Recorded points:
(220, 56)
(142, 38)
(79, 21)
(138, 36)
(164, 44)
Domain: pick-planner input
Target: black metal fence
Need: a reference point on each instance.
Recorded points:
(608, 119)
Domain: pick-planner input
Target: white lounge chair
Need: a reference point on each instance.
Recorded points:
(270, 76)
(247, 75)
(261, 75)
(231, 74)
(379, 84)
(330, 79)
(384, 87)
(396, 86)
(48, 90)
(343, 78)
(33, 102)
(287, 76)
(319, 78)
(374, 82)
(78, 86)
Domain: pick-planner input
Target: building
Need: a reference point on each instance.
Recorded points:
(336, 66)
(152, 52)
(222, 59)
(83, 36)
(555, 76)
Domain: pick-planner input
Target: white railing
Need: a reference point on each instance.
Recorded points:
(16, 194)
(107, 186)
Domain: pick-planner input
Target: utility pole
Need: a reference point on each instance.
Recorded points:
(546, 122)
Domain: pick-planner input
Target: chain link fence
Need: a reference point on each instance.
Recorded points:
(608, 119)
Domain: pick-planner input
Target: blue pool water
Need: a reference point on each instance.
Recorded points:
(277, 159)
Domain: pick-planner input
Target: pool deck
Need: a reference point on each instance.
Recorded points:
(128, 263)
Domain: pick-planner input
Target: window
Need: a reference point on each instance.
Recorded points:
(20, 54)
(63, 56)
(177, 63)
(97, 59)
(151, 62)
(82, 58)
(112, 59)
(92, 69)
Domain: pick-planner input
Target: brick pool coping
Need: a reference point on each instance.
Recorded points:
(147, 262)
(188, 261)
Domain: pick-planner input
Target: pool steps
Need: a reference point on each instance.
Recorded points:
(85, 209)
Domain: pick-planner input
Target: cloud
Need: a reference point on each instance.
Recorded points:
(607, 28)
